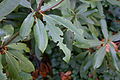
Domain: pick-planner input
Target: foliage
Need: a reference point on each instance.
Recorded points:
(34, 34)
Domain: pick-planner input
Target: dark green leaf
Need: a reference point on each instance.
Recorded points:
(19, 46)
(24, 63)
(2, 75)
(13, 66)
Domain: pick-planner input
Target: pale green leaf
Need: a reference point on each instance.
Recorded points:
(66, 23)
(114, 2)
(54, 32)
(115, 37)
(9, 30)
(99, 57)
(26, 4)
(103, 21)
(7, 6)
(66, 51)
(114, 56)
(104, 28)
(27, 25)
(40, 34)
(87, 43)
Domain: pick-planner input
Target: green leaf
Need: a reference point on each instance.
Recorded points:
(2, 32)
(115, 37)
(54, 32)
(27, 25)
(82, 8)
(66, 51)
(62, 21)
(114, 2)
(7, 6)
(37, 1)
(9, 30)
(19, 46)
(24, 63)
(1, 18)
(114, 56)
(40, 34)
(26, 4)
(87, 43)
(25, 76)
(99, 57)
(12, 65)
(104, 28)
(68, 39)
(93, 30)
(2, 75)
(103, 21)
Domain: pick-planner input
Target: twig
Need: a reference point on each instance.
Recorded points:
(52, 7)
(11, 39)
(40, 4)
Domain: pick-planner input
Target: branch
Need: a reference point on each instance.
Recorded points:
(40, 4)
(11, 39)
(52, 6)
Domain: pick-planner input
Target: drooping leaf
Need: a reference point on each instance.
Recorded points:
(99, 57)
(7, 6)
(27, 25)
(24, 63)
(25, 3)
(40, 34)
(66, 51)
(2, 75)
(13, 66)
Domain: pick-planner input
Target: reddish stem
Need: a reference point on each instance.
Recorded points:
(40, 4)
(52, 7)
